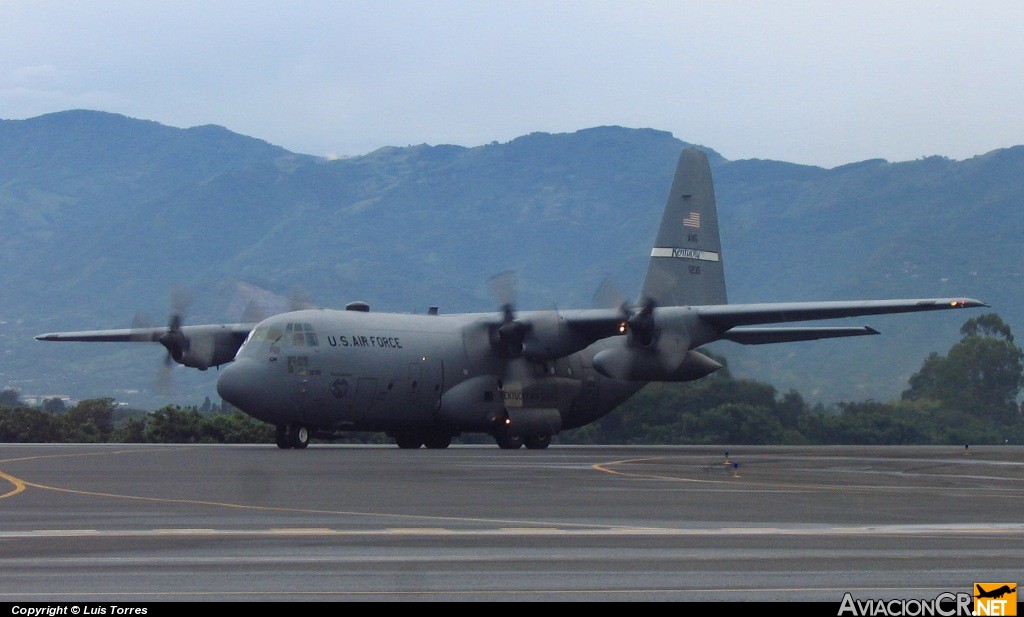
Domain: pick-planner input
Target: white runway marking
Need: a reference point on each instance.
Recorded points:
(1008, 529)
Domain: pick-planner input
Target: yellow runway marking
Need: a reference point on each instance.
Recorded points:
(605, 468)
(734, 480)
(731, 481)
(21, 485)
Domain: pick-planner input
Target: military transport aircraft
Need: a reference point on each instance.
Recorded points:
(521, 377)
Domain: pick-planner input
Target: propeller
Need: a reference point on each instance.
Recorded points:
(651, 350)
(300, 300)
(509, 337)
(640, 325)
(173, 340)
(142, 330)
(515, 338)
(202, 346)
(253, 304)
(637, 319)
(518, 345)
(608, 295)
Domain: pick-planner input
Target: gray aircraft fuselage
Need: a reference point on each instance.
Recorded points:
(360, 371)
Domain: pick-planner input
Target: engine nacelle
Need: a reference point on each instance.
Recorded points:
(637, 364)
(202, 346)
(474, 405)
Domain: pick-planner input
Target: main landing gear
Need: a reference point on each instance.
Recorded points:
(508, 441)
(433, 441)
(294, 435)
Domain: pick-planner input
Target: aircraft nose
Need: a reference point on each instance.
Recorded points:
(237, 383)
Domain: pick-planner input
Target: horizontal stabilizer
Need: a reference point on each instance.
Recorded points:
(763, 336)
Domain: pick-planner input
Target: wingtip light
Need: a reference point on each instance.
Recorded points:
(963, 303)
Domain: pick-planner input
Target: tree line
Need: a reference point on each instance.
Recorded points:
(970, 395)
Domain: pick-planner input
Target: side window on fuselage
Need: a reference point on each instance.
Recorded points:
(298, 365)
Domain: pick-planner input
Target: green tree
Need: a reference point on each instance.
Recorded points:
(237, 427)
(175, 424)
(716, 409)
(874, 423)
(9, 398)
(28, 425)
(131, 430)
(743, 423)
(981, 375)
(54, 405)
(90, 421)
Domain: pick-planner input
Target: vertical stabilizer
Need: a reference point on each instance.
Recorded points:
(686, 262)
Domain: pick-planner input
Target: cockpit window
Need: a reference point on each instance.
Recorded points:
(266, 333)
(301, 335)
(294, 334)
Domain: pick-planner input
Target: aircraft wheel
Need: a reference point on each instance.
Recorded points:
(281, 436)
(507, 441)
(437, 441)
(537, 442)
(408, 441)
(298, 435)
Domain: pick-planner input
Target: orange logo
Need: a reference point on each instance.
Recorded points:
(995, 599)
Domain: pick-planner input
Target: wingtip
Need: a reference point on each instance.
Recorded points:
(967, 303)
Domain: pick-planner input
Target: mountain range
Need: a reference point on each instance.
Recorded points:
(106, 218)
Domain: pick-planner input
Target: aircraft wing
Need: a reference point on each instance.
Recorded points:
(763, 336)
(728, 316)
(134, 335)
(142, 335)
(570, 331)
(199, 346)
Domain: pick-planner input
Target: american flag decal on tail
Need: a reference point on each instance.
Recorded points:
(692, 220)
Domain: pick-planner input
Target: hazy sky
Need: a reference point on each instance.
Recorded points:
(825, 83)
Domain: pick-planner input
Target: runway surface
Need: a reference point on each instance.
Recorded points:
(154, 523)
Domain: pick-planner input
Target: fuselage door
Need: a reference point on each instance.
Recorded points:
(428, 384)
(366, 394)
(432, 384)
(415, 374)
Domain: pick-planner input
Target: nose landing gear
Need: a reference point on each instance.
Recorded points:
(294, 435)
